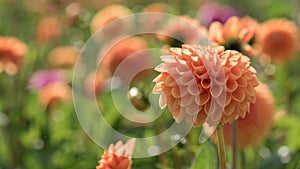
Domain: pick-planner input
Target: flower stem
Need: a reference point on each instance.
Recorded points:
(221, 147)
(234, 150)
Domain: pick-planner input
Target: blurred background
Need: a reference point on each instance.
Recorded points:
(38, 125)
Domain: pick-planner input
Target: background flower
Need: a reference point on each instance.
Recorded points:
(117, 156)
(213, 11)
(109, 14)
(235, 34)
(278, 39)
(42, 78)
(256, 126)
(12, 52)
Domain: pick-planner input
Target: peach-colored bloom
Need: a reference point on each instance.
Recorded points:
(235, 34)
(54, 93)
(278, 39)
(190, 95)
(117, 156)
(157, 7)
(63, 56)
(12, 52)
(49, 29)
(96, 81)
(121, 51)
(183, 30)
(255, 127)
(109, 14)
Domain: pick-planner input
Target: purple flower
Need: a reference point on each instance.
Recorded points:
(213, 11)
(42, 78)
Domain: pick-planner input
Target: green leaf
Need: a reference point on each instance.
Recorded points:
(206, 157)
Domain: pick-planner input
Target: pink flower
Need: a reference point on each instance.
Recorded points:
(187, 89)
(117, 156)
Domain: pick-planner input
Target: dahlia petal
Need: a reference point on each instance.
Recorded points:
(170, 82)
(215, 91)
(176, 92)
(238, 95)
(185, 80)
(176, 51)
(235, 73)
(123, 165)
(249, 90)
(242, 82)
(229, 109)
(205, 83)
(186, 101)
(162, 101)
(231, 85)
(193, 90)
(204, 98)
(161, 68)
(168, 58)
(192, 109)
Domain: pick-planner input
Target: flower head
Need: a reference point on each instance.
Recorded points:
(186, 87)
(255, 127)
(42, 78)
(182, 30)
(117, 156)
(109, 14)
(12, 52)
(235, 34)
(54, 93)
(121, 51)
(63, 56)
(211, 12)
(157, 7)
(278, 39)
(49, 29)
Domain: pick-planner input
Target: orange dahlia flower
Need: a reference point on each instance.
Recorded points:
(278, 39)
(12, 52)
(49, 29)
(117, 156)
(182, 30)
(187, 90)
(157, 7)
(54, 93)
(255, 127)
(109, 14)
(235, 34)
(63, 56)
(121, 51)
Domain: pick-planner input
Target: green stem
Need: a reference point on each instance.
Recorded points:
(221, 147)
(243, 159)
(233, 146)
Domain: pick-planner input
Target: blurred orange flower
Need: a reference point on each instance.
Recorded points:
(235, 34)
(109, 14)
(96, 81)
(157, 7)
(121, 51)
(49, 29)
(189, 96)
(53, 93)
(117, 156)
(63, 56)
(183, 30)
(278, 39)
(255, 127)
(12, 52)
